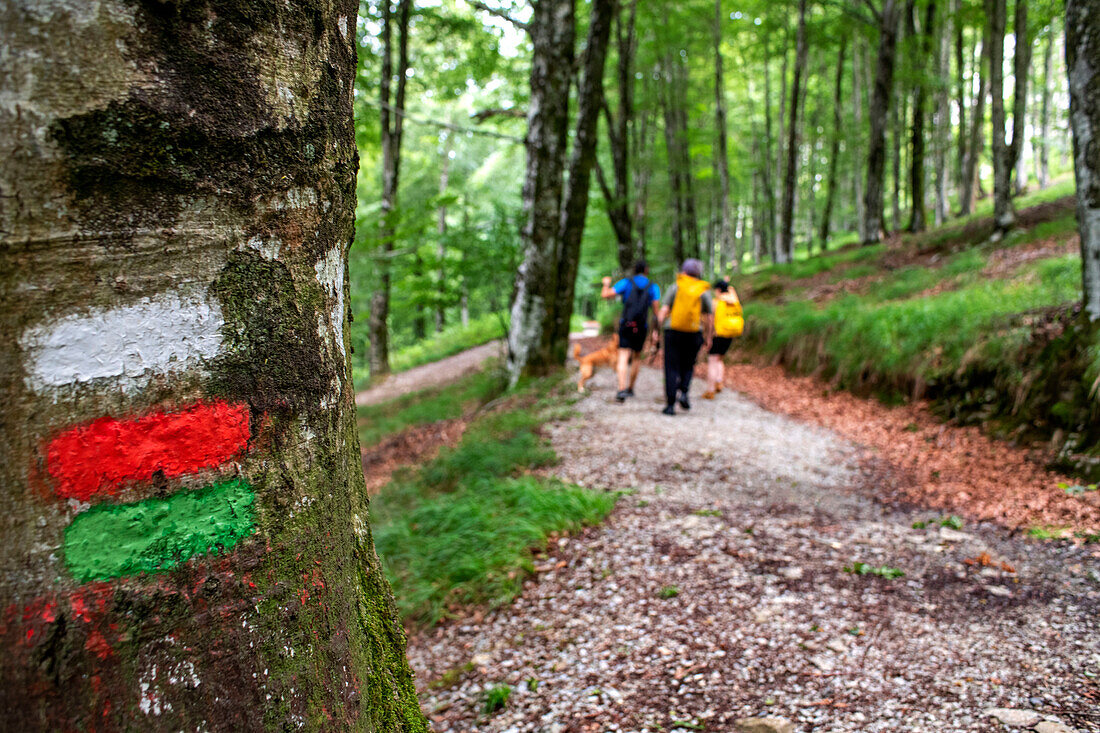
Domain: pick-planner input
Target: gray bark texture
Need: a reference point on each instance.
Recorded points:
(725, 226)
(1021, 64)
(872, 225)
(831, 178)
(392, 126)
(552, 31)
(1003, 215)
(974, 149)
(918, 217)
(1044, 114)
(1083, 65)
(176, 203)
(785, 252)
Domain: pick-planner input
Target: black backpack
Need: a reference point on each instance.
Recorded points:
(636, 305)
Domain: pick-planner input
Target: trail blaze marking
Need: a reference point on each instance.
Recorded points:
(110, 541)
(169, 333)
(98, 457)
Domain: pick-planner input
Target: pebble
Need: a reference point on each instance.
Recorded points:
(770, 724)
(1052, 726)
(1014, 718)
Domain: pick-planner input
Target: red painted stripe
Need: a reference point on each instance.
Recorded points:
(98, 457)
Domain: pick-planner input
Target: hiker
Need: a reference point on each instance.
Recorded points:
(729, 322)
(639, 296)
(686, 315)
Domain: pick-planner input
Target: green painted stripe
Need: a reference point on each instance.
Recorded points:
(154, 535)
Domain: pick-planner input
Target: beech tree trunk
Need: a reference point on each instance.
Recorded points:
(441, 229)
(552, 32)
(785, 251)
(1044, 115)
(918, 215)
(834, 152)
(185, 528)
(962, 96)
(974, 149)
(585, 136)
(941, 124)
(1083, 66)
(1021, 64)
(685, 226)
(872, 225)
(857, 136)
(725, 226)
(770, 208)
(392, 125)
(619, 139)
(545, 282)
(1003, 215)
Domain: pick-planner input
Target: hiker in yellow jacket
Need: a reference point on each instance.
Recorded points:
(729, 322)
(686, 314)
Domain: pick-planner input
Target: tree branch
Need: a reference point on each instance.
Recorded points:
(499, 14)
(486, 114)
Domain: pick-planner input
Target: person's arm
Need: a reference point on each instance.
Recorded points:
(666, 306)
(607, 292)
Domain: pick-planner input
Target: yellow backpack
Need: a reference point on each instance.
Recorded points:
(688, 303)
(729, 321)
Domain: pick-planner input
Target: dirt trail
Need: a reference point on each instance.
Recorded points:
(716, 590)
(440, 372)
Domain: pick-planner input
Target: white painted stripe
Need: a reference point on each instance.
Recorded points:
(168, 333)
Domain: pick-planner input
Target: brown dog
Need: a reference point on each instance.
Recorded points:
(606, 356)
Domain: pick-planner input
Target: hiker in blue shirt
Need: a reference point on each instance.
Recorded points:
(639, 296)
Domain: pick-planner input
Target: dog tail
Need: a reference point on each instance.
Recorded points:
(577, 351)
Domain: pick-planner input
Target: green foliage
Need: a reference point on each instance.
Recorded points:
(428, 406)
(952, 522)
(459, 530)
(668, 591)
(862, 568)
(495, 698)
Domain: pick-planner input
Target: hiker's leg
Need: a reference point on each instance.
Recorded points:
(692, 342)
(622, 366)
(635, 365)
(672, 373)
(720, 372)
(714, 366)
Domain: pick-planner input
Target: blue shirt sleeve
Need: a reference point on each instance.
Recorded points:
(654, 292)
(622, 287)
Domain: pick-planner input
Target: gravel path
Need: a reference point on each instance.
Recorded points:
(429, 375)
(715, 591)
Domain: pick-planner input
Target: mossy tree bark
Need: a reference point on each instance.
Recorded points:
(872, 225)
(1083, 65)
(184, 517)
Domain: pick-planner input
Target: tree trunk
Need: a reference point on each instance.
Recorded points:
(585, 136)
(552, 32)
(768, 230)
(857, 127)
(185, 521)
(961, 99)
(441, 229)
(785, 252)
(392, 124)
(619, 139)
(880, 106)
(834, 152)
(1003, 216)
(918, 216)
(941, 124)
(1083, 65)
(1021, 63)
(974, 149)
(725, 226)
(1044, 118)
(642, 133)
(685, 227)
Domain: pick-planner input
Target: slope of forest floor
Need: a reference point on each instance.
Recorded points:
(989, 333)
(763, 565)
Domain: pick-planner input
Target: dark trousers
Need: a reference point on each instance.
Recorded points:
(681, 349)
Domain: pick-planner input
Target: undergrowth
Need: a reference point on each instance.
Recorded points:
(460, 530)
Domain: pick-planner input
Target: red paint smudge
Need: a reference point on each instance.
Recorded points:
(97, 457)
(98, 645)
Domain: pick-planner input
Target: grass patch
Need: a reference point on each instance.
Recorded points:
(445, 402)
(460, 530)
(862, 568)
(495, 698)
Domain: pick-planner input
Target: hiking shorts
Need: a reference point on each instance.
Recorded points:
(719, 345)
(632, 336)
